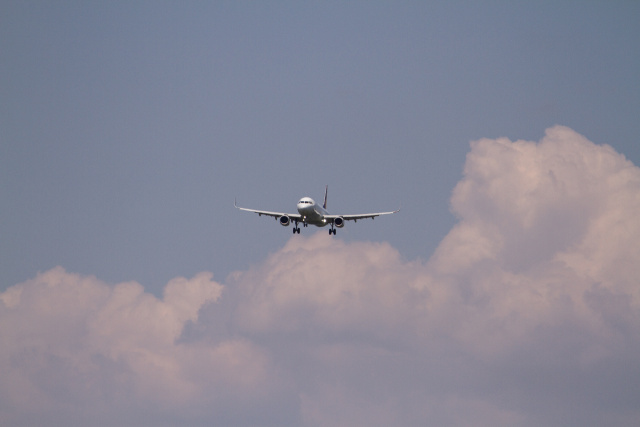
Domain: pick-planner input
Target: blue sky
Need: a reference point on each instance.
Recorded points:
(128, 128)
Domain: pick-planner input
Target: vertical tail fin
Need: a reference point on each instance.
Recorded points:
(325, 197)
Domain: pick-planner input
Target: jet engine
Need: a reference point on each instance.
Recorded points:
(285, 221)
(339, 222)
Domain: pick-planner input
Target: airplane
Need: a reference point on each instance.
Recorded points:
(309, 212)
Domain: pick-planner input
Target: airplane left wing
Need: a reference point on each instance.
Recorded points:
(359, 216)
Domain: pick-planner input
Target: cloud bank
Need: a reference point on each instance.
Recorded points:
(527, 314)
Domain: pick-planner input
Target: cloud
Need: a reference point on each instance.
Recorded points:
(72, 346)
(527, 314)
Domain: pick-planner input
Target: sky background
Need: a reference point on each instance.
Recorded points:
(504, 293)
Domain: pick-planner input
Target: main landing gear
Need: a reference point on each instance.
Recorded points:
(332, 230)
(296, 229)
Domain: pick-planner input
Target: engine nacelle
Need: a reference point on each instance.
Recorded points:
(339, 222)
(285, 221)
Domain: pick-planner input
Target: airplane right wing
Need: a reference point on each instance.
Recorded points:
(268, 213)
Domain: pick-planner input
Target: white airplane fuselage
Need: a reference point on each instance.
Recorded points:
(312, 213)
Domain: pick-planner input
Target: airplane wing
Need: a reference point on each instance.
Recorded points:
(268, 213)
(355, 218)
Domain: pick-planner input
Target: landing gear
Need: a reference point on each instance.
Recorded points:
(296, 229)
(332, 231)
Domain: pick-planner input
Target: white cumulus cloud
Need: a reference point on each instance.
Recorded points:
(527, 314)
(78, 350)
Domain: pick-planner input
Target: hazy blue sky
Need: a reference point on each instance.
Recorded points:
(128, 128)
